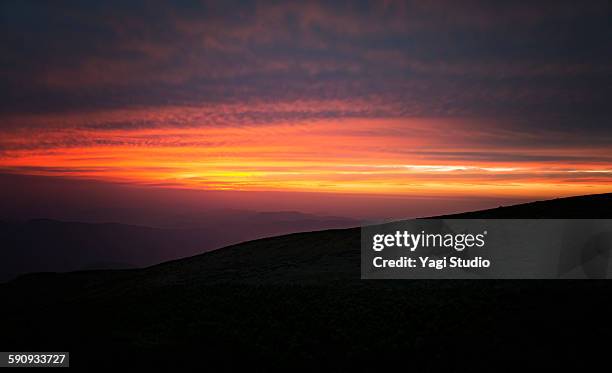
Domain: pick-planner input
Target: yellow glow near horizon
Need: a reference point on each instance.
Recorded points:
(393, 156)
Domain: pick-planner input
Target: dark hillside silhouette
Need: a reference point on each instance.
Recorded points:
(299, 297)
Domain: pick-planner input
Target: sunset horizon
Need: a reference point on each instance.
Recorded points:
(385, 98)
(378, 156)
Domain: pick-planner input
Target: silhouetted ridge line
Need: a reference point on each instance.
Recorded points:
(248, 299)
(594, 206)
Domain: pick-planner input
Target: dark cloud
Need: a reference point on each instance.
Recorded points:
(549, 61)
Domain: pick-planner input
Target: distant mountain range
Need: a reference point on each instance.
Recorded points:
(299, 297)
(50, 245)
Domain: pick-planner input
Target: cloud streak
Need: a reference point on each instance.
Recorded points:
(426, 96)
(383, 156)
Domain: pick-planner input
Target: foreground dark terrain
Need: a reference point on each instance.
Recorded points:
(300, 297)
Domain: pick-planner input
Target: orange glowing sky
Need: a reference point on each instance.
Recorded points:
(410, 98)
(397, 156)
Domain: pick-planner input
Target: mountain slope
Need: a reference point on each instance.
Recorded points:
(334, 254)
(299, 297)
(594, 206)
(50, 245)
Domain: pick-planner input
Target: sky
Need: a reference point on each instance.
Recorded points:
(417, 99)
